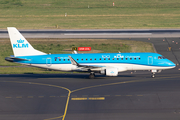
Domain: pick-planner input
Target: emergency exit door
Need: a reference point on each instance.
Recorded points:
(48, 62)
(150, 60)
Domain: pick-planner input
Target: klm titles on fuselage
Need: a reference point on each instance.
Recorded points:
(20, 44)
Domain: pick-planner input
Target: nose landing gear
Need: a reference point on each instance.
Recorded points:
(153, 73)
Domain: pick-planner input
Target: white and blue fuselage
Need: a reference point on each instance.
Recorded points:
(122, 61)
(105, 63)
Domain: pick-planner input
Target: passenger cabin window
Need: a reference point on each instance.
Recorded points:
(108, 58)
(139, 58)
(130, 58)
(104, 58)
(126, 58)
(94, 58)
(82, 59)
(121, 58)
(134, 58)
(117, 58)
(99, 58)
(63, 59)
(113, 59)
(86, 59)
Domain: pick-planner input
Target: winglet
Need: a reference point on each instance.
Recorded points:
(73, 62)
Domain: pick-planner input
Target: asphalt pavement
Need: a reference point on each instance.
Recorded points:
(130, 96)
(133, 95)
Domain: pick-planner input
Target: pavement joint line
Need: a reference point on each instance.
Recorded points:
(40, 96)
(19, 97)
(117, 95)
(84, 95)
(128, 95)
(52, 96)
(107, 95)
(95, 95)
(139, 95)
(8, 97)
(74, 96)
(30, 96)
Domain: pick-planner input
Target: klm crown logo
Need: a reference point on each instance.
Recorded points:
(20, 41)
(20, 44)
(112, 72)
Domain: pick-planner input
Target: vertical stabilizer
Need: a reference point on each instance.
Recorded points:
(20, 45)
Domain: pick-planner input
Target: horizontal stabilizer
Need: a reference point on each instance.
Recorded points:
(11, 59)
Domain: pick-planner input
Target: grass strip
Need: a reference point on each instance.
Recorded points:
(90, 14)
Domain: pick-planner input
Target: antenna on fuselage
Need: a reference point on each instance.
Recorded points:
(74, 52)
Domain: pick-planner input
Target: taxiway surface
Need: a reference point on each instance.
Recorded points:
(130, 96)
(134, 96)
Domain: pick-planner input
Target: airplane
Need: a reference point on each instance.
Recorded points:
(109, 64)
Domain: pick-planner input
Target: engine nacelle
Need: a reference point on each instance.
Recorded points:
(110, 72)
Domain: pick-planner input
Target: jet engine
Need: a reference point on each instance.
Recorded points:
(110, 72)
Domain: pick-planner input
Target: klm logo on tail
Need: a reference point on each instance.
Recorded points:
(20, 44)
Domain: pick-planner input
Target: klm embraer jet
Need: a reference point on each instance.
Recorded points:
(109, 64)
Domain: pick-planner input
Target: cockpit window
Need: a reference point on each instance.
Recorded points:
(161, 57)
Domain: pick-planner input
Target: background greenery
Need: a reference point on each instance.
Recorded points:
(50, 14)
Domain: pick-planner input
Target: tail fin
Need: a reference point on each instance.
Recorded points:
(20, 45)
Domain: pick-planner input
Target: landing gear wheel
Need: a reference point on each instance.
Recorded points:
(153, 75)
(91, 76)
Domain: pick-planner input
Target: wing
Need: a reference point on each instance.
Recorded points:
(73, 62)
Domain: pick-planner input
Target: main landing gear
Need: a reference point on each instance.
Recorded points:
(92, 75)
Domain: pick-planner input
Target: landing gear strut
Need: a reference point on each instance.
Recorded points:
(92, 75)
(153, 75)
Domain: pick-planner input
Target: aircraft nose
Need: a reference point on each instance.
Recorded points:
(172, 64)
